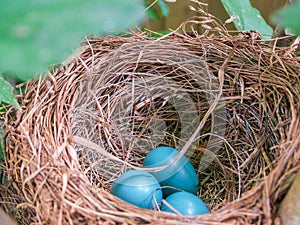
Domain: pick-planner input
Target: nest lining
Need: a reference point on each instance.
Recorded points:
(98, 116)
(139, 103)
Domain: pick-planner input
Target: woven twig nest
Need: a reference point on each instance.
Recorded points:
(230, 103)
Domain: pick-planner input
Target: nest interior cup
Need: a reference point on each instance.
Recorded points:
(229, 103)
(136, 100)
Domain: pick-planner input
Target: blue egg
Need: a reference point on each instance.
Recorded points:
(180, 175)
(139, 188)
(186, 204)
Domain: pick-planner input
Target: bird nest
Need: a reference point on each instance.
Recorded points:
(229, 103)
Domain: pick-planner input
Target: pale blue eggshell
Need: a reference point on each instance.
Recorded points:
(186, 204)
(138, 188)
(180, 175)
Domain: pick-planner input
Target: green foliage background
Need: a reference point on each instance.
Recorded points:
(289, 18)
(36, 34)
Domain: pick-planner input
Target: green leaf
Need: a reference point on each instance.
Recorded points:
(39, 33)
(3, 177)
(288, 18)
(247, 17)
(2, 132)
(160, 33)
(6, 93)
(151, 12)
(164, 9)
(1, 154)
